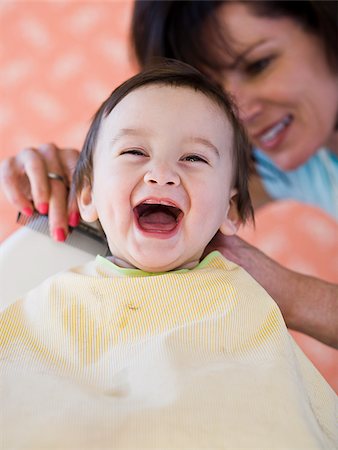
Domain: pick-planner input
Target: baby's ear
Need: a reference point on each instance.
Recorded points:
(86, 203)
(232, 220)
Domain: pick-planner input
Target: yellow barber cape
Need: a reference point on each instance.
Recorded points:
(101, 357)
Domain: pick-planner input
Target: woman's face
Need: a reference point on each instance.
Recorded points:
(286, 92)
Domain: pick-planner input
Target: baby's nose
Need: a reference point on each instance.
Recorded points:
(162, 174)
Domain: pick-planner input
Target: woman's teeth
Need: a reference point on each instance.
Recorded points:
(272, 133)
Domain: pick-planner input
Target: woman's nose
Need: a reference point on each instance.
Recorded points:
(162, 174)
(246, 98)
(248, 111)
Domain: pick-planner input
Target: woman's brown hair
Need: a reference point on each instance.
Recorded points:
(176, 29)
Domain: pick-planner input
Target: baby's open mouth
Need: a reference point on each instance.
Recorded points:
(157, 217)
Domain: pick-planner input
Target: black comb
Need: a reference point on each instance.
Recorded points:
(89, 238)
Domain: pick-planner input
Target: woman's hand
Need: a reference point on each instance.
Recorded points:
(308, 305)
(25, 181)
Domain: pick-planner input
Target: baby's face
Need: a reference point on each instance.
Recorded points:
(162, 178)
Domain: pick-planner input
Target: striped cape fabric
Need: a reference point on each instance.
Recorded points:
(101, 357)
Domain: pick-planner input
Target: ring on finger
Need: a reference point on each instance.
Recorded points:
(56, 176)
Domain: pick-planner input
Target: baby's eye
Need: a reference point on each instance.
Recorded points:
(133, 151)
(194, 158)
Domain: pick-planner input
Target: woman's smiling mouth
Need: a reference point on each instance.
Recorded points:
(272, 136)
(157, 217)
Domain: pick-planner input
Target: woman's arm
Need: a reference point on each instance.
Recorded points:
(25, 182)
(309, 305)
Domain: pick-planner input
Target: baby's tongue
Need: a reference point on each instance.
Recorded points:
(157, 221)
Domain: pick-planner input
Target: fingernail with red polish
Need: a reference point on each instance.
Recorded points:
(74, 219)
(43, 208)
(59, 234)
(27, 211)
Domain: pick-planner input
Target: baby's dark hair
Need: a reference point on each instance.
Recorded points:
(177, 74)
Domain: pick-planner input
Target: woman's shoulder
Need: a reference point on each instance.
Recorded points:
(315, 182)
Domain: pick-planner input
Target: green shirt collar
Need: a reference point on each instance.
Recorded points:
(140, 273)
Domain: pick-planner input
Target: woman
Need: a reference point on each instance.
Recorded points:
(279, 60)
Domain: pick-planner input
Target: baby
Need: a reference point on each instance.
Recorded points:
(157, 347)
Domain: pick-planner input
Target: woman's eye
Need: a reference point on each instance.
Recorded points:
(194, 158)
(258, 66)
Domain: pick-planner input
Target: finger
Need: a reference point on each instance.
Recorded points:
(69, 158)
(73, 209)
(33, 165)
(12, 180)
(58, 215)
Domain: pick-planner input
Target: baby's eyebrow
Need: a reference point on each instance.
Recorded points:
(130, 132)
(205, 142)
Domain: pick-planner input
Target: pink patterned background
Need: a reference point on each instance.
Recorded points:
(59, 60)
